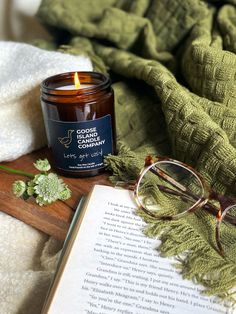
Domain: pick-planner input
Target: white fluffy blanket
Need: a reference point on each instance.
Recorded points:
(27, 256)
(22, 68)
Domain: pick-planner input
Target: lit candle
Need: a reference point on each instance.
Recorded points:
(76, 85)
(80, 121)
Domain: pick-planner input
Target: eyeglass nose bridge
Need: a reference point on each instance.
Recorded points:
(225, 202)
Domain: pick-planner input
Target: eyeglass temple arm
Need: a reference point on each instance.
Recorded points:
(172, 181)
(208, 206)
(184, 196)
(161, 173)
(187, 197)
(225, 202)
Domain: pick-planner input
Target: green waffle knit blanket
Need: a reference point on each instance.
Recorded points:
(173, 65)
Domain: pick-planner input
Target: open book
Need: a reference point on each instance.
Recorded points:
(109, 266)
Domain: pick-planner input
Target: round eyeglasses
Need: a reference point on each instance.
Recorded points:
(164, 182)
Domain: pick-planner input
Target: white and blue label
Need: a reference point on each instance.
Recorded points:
(80, 145)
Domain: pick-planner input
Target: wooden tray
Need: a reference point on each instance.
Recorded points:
(53, 219)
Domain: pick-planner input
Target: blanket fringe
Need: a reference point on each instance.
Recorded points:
(178, 238)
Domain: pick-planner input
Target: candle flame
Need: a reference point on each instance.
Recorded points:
(76, 80)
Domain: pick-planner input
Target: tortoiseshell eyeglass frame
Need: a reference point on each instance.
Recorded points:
(225, 203)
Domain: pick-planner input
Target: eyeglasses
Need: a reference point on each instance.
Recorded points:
(167, 189)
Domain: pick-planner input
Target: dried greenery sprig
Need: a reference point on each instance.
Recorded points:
(45, 187)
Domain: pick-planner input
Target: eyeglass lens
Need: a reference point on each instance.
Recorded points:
(169, 188)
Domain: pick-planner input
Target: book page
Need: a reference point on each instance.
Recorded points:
(114, 268)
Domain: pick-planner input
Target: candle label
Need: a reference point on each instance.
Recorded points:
(80, 145)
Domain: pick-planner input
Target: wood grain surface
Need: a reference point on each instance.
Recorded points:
(53, 219)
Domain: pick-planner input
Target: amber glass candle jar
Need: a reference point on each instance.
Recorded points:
(79, 122)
